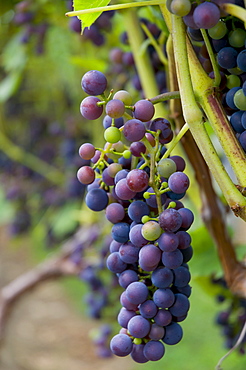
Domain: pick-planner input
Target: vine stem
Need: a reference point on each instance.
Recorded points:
(194, 116)
(175, 141)
(113, 7)
(217, 77)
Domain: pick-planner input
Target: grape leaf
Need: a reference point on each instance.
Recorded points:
(88, 19)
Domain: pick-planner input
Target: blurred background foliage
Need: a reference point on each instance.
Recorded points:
(41, 64)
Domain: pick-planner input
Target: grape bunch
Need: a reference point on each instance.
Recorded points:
(139, 185)
(227, 36)
(232, 318)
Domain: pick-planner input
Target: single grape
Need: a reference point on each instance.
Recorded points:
(124, 316)
(166, 167)
(218, 31)
(168, 242)
(89, 108)
(233, 81)
(151, 230)
(173, 334)
(174, 259)
(112, 135)
(162, 277)
(137, 180)
(115, 212)
(115, 108)
(230, 97)
(137, 148)
(94, 83)
(129, 253)
(96, 199)
(144, 110)
(137, 210)
(87, 151)
(122, 190)
(86, 175)
(136, 237)
(163, 297)
(120, 232)
(134, 130)
(178, 182)
(163, 317)
(115, 264)
(137, 354)
(121, 345)
(149, 257)
(179, 161)
(181, 276)
(156, 332)
(127, 277)
(148, 309)
(137, 292)
(138, 326)
(236, 121)
(170, 220)
(154, 350)
(237, 38)
(227, 57)
(187, 218)
(240, 99)
(206, 15)
(107, 122)
(180, 7)
(180, 306)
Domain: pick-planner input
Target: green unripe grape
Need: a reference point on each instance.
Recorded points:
(146, 195)
(218, 31)
(137, 340)
(124, 96)
(113, 169)
(145, 219)
(235, 71)
(233, 81)
(127, 154)
(166, 167)
(112, 135)
(151, 230)
(180, 7)
(240, 100)
(237, 38)
(119, 147)
(172, 205)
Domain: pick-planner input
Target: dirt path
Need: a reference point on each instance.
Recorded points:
(44, 331)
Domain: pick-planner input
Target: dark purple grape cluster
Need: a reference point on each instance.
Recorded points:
(227, 36)
(232, 319)
(140, 190)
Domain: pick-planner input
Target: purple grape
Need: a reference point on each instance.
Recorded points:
(187, 218)
(120, 232)
(154, 350)
(149, 257)
(115, 264)
(129, 253)
(96, 200)
(206, 15)
(241, 60)
(121, 345)
(172, 260)
(136, 237)
(137, 148)
(115, 108)
(163, 125)
(163, 297)
(173, 334)
(162, 277)
(86, 175)
(178, 182)
(114, 246)
(236, 122)
(137, 353)
(144, 110)
(137, 292)
(108, 180)
(180, 306)
(148, 309)
(120, 175)
(184, 239)
(127, 277)
(89, 108)
(124, 316)
(156, 332)
(230, 97)
(134, 130)
(138, 326)
(181, 277)
(123, 191)
(115, 212)
(163, 317)
(87, 151)
(227, 57)
(187, 254)
(179, 161)
(170, 220)
(151, 201)
(168, 242)
(94, 83)
(137, 180)
(137, 210)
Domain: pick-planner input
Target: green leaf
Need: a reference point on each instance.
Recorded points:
(88, 19)
(9, 85)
